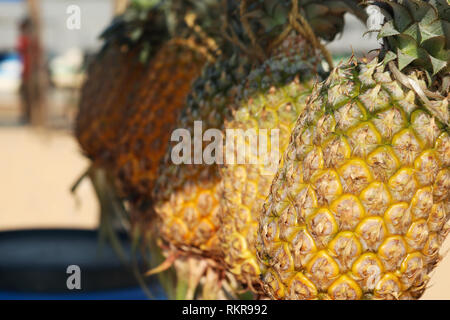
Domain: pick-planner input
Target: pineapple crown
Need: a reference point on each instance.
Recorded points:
(149, 23)
(271, 21)
(142, 23)
(416, 34)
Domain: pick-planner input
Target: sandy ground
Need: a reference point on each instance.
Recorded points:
(37, 169)
(439, 285)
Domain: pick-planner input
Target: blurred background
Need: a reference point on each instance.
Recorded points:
(43, 160)
(41, 72)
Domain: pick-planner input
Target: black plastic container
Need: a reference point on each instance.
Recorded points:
(36, 261)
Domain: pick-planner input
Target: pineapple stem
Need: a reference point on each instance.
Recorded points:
(191, 44)
(310, 35)
(246, 25)
(230, 35)
(296, 22)
(208, 42)
(304, 29)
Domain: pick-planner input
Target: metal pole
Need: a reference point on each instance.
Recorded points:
(38, 78)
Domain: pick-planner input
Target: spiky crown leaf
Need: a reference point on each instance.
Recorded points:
(416, 33)
(148, 23)
(143, 22)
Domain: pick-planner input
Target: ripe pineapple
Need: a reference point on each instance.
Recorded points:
(112, 77)
(149, 116)
(186, 195)
(273, 96)
(126, 128)
(359, 206)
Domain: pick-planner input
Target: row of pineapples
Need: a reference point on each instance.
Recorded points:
(359, 204)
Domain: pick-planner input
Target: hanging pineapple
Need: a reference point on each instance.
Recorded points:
(359, 206)
(113, 76)
(134, 92)
(187, 194)
(272, 97)
(151, 116)
(152, 55)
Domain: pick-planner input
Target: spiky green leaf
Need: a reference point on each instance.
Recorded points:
(389, 56)
(428, 31)
(417, 8)
(387, 30)
(437, 64)
(413, 31)
(402, 17)
(405, 58)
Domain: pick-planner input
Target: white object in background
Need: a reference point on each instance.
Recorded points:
(10, 71)
(66, 69)
(353, 38)
(375, 19)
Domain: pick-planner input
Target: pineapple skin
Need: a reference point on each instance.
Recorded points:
(105, 91)
(149, 116)
(359, 206)
(137, 86)
(187, 196)
(273, 96)
(114, 75)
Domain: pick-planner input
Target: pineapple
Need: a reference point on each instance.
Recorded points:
(272, 97)
(112, 77)
(131, 100)
(126, 128)
(149, 116)
(359, 205)
(187, 195)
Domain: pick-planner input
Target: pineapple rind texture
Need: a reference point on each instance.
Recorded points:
(104, 90)
(138, 83)
(114, 76)
(187, 195)
(273, 96)
(150, 115)
(126, 133)
(359, 206)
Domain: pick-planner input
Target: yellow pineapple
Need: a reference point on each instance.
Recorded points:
(272, 97)
(187, 195)
(187, 198)
(359, 206)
